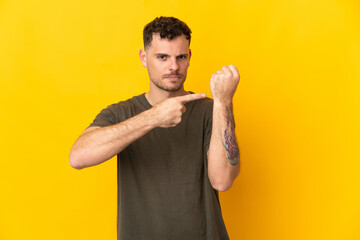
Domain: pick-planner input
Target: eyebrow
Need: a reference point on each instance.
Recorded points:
(164, 54)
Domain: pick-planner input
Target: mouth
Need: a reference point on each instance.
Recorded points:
(173, 78)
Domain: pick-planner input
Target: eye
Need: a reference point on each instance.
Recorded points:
(162, 57)
(182, 57)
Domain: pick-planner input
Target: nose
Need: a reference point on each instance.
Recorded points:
(174, 66)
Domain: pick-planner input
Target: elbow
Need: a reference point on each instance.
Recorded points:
(222, 186)
(76, 166)
(221, 183)
(74, 161)
(223, 180)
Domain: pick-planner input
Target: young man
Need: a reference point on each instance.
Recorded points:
(175, 149)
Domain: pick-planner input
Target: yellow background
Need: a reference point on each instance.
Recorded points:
(296, 109)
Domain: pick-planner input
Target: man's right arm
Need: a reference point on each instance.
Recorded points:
(98, 144)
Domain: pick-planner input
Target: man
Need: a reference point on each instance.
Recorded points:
(175, 149)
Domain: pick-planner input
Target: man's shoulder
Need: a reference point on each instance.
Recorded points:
(199, 109)
(204, 103)
(133, 102)
(207, 101)
(120, 111)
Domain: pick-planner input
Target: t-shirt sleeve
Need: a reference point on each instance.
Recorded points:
(208, 124)
(105, 118)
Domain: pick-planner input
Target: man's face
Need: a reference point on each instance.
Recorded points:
(167, 62)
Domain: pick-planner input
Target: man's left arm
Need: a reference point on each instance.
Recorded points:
(223, 154)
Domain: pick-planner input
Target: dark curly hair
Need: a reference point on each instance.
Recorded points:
(167, 27)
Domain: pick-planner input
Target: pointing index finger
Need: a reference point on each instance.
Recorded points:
(191, 97)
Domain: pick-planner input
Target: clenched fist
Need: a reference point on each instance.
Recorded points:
(223, 84)
(168, 113)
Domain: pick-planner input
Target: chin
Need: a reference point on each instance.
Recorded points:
(176, 87)
(173, 89)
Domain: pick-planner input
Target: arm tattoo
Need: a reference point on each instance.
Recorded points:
(229, 140)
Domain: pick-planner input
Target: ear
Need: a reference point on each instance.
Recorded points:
(143, 57)
(189, 55)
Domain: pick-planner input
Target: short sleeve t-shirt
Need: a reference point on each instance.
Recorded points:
(163, 187)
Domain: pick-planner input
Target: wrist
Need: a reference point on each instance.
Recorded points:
(223, 102)
(150, 119)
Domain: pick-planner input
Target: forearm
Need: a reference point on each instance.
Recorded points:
(100, 144)
(95, 146)
(223, 154)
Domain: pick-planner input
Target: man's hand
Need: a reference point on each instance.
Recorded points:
(223, 84)
(168, 113)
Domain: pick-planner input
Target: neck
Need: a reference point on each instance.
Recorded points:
(158, 95)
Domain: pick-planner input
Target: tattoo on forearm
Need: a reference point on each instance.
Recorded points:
(229, 140)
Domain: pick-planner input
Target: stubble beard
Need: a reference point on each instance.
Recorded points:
(176, 88)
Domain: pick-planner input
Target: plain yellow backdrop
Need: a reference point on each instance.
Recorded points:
(296, 108)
